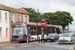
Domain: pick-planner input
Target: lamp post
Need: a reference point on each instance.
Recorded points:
(51, 25)
(38, 15)
(36, 28)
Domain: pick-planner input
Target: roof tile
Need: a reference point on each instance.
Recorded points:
(21, 10)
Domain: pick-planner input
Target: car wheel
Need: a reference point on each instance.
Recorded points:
(59, 43)
(11, 41)
(71, 42)
(54, 40)
(45, 40)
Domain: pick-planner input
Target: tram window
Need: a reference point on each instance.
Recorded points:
(25, 31)
(18, 31)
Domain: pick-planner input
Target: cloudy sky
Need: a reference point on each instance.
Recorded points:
(45, 6)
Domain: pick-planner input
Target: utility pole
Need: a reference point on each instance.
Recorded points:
(38, 14)
(50, 23)
(37, 22)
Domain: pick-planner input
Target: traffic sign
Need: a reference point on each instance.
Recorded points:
(43, 23)
(66, 29)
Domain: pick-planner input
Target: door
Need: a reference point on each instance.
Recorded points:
(6, 32)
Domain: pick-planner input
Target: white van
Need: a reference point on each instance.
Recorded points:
(67, 38)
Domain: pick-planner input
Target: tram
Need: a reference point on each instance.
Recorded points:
(21, 30)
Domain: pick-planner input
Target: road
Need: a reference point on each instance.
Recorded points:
(49, 46)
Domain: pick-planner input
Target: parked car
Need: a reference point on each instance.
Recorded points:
(52, 37)
(67, 38)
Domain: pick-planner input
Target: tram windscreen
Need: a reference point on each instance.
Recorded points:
(18, 31)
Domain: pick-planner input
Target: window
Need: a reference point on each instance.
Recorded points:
(25, 18)
(12, 17)
(0, 16)
(19, 18)
(18, 31)
(0, 32)
(5, 17)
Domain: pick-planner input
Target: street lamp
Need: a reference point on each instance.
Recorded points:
(38, 15)
(36, 28)
(51, 24)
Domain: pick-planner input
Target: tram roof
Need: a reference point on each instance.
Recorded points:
(39, 24)
(20, 23)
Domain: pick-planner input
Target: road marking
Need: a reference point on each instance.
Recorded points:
(71, 48)
(25, 46)
(65, 47)
(3, 48)
(10, 47)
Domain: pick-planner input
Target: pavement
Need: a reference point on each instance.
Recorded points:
(20, 43)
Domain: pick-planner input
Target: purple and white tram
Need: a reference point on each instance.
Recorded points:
(20, 32)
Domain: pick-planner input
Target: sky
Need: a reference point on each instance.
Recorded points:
(45, 6)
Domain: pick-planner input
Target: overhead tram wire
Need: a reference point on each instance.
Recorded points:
(21, 2)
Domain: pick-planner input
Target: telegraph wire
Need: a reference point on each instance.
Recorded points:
(21, 2)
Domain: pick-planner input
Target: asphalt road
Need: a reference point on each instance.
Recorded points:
(51, 46)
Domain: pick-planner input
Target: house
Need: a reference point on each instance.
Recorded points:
(9, 15)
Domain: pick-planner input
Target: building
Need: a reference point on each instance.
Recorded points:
(9, 15)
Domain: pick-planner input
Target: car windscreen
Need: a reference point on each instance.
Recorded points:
(66, 35)
(18, 31)
(51, 35)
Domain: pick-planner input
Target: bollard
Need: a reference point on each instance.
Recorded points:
(44, 40)
(39, 39)
(28, 40)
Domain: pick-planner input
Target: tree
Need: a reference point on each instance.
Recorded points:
(58, 18)
(33, 15)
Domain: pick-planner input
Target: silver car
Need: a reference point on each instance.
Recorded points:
(67, 38)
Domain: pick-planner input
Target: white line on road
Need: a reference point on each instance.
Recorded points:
(25, 46)
(3, 48)
(65, 47)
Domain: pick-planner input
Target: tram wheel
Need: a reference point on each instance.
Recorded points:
(11, 41)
